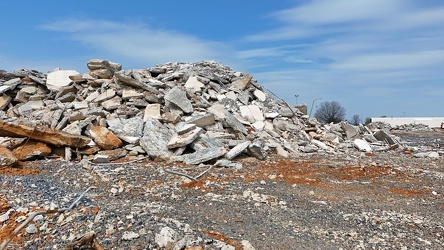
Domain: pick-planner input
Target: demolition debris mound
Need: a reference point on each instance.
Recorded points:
(180, 112)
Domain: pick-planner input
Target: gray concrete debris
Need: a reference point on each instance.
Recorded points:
(181, 140)
(256, 150)
(203, 155)
(179, 98)
(155, 139)
(147, 109)
(384, 136)
(350, 131)
(362, 145)
(237, 150)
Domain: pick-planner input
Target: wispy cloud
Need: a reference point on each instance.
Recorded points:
(137, 41)
(382, 45)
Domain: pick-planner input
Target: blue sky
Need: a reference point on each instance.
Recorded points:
(378, 57)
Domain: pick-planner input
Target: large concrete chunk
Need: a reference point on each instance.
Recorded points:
(126, 127)
(152, 111)
(203, 155)
(60, 78)
(194, 84)
(237, 150)
(362, 145)
(7, 158)
(54, 137)
(134, 83)
(256, 150)
(179, 98)
(156, 138)
(242, 83)
(350, 131)
(384, 136)
(202, 120)
(31, 150)
(252, 113)
(104, 138)
(4, 101)
(182, 140)
(234, 123)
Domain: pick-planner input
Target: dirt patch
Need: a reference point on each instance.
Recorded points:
(18, 171)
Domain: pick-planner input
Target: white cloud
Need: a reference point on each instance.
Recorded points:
(388, 61)
(139, 42)
(330, 12)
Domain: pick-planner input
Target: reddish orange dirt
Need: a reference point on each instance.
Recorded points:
(18, 171)
(314, 174)
(218, 236)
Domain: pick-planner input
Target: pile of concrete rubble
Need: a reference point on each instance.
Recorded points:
(188, 112)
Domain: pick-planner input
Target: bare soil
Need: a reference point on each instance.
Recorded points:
(384, 200)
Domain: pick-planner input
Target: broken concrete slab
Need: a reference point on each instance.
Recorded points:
(256, 150)
(234, 123)
(104, 138)
(31, 150)
(4, 101)
(53, 137)
(7, 158)
(260, 95)
(362, 145)
(203, 155)
(237, 150)
(384, 136)
(182, 140)
(194, 84)
(183, 128)
(202, 120)
(134, 83)
(132, 127)
(242, 83)
(108, 94)
(152, 111)
(350, 131)
(179, 98)
(155, 139)
(60, 78)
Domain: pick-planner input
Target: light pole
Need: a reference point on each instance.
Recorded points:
(313, 104)
(296, 96)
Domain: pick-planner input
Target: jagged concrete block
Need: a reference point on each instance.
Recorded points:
(362, 145)
(203, 120)
(242, 83)
(7, 158)
(237, 150)
(182, 140)
(350, 131)
(234, 123)
(152, 111)
(384, 136)
(155, 139)
(203, 155)
(104, 138)
(179, 98)
(194, 84)
(256, 150)
(60, 78)
(126, 127)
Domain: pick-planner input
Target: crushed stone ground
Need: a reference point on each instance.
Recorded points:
(386, 200)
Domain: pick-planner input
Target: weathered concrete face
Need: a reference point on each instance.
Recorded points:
(192, 112)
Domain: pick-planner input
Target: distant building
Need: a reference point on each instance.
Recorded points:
(433, 122)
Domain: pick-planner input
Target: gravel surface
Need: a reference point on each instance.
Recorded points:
(386, 200)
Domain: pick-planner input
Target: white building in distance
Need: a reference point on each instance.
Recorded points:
(433, 122)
